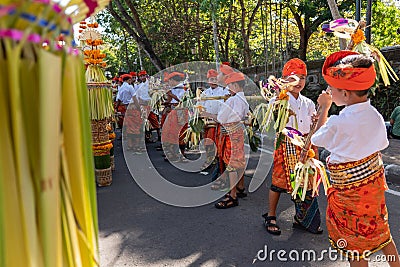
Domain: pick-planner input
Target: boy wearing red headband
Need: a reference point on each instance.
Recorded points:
(307, 216)
(176, 122)
(231, 142)
(124, 96)
(356, 210)
(144, 99)
(212, 107)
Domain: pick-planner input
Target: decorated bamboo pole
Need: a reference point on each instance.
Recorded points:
(100, 99)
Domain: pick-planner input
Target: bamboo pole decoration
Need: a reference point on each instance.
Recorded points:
(361, 26)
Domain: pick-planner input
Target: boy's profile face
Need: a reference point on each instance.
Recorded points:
(235, 88)
(300, 86)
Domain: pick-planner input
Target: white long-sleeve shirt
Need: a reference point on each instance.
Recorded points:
(212, 106)
(142, 93)
(234, 109)
(357, 132)
(304, 109)
(125, 93)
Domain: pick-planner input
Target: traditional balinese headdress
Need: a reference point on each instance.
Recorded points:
(345, 76)
(294, 66)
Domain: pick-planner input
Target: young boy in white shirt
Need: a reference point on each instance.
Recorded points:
(356, 210)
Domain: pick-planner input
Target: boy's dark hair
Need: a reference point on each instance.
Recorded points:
(355, 61)
(361, 93)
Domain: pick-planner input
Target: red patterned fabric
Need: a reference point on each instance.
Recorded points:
(357, 209)
(211, 134)
(174, 127)
(231, 150)
(133, 121)
(122, 109)
(285, 158)
(153, 119)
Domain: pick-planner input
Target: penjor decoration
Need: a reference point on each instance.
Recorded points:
(100, 100)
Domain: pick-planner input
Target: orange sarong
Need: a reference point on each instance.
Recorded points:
(356, 209)
(153, 119)
(285, 158)
(133, 121)
(210, 132)
(231, 146)
(175, 126)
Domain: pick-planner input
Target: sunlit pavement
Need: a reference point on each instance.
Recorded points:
(137, 230)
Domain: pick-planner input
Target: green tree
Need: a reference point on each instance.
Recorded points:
(384, 24)
(309, 15)
(132, 23)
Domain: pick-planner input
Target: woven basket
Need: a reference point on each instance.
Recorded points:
(112, 162)
(99, 131)
(103, 177)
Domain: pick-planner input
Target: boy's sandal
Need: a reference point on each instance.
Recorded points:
(268, 224)
(228, 202)
(297, 225)
(240, 192)
(218, 185)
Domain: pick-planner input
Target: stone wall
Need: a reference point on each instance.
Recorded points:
(315, 82)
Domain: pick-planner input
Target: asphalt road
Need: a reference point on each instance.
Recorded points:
(137, 230)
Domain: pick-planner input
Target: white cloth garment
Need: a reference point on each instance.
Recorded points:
(357, 132)
(125, 93)
(142, 93)
(212, 106)
(234, 109)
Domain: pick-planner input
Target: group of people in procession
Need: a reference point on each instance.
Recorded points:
(356, 209)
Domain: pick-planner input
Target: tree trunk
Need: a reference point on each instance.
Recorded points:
(336, 15)
(246, 31)
(228, 32)
(303, 44)
(133, 26)
(215, 37)
(302, 54)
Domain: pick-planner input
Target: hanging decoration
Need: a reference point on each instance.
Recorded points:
(353, 31)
